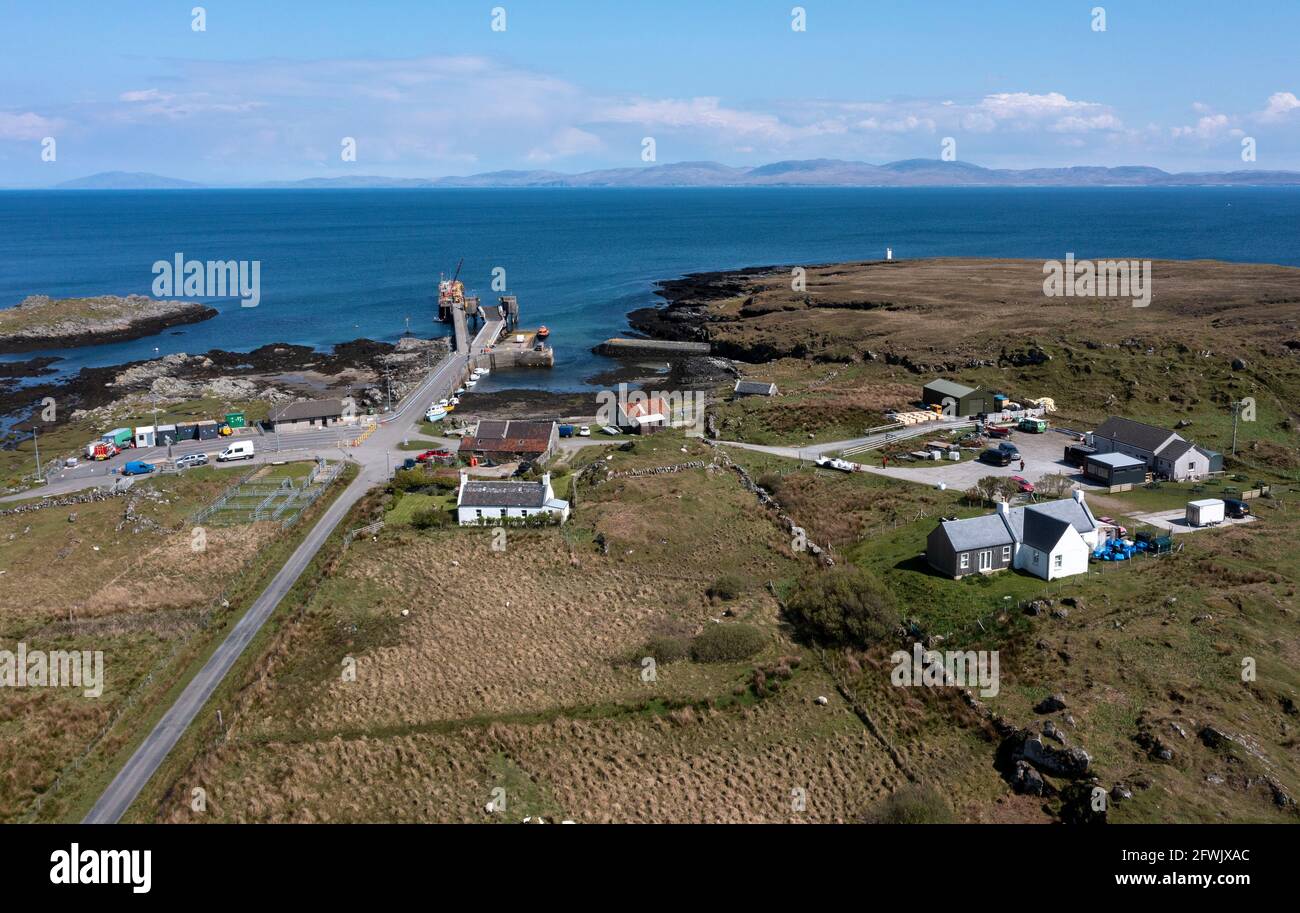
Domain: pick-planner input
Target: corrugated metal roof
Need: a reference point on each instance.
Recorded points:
(1115, 460)
(1138, 435)
(949, 388)
(310, 408)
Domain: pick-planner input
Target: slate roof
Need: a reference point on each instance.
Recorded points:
(1071, 511)
(1042, 531)
(1138, 435)
(1036, 522)
(503, 494)
(949, 388)
(308, 409)
(976, 532)
(757, 387)
(1174, 449)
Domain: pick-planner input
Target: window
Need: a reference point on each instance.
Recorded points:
(965, 561)
(1036, 557)
(1058, 562)
(478, 515)
(1006, 553)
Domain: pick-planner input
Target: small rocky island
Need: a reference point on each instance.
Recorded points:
(40, 322)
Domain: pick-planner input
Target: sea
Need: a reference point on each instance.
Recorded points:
(338, 265)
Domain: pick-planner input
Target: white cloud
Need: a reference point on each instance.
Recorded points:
(27, 126)
(1280, 104)
(566, 142)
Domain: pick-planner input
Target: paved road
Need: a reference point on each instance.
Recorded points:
(373, 458)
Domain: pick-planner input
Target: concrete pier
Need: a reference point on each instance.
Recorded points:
(625, 346)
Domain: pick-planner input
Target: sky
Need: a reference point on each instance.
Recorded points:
(427, 88)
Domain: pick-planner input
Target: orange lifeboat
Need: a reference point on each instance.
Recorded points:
(542, 333)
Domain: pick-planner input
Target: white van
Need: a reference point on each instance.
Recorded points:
(240, 450)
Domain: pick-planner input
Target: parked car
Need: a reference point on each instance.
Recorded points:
(995, 457)
(137, 468)
(239, 450)
(584, 431)
(191, 459)
(430, 455)
(1237, 510)
(70, 462)
(1023, 484)
(409, 463)
(1010, 449)
(566, 431)
(1033, 425)
(1119, 527)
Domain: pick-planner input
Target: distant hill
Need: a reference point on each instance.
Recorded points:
(125, 180)
(795, 173)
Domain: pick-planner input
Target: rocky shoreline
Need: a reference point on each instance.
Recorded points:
(276, 373)
(40, 322)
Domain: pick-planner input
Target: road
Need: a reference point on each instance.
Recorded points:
(373, 460)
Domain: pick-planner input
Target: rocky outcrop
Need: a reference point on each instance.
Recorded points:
(41, 322)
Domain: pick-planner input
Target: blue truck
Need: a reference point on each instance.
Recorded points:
(137, 468)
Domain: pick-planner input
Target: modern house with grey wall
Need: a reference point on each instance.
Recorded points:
(1165, 453)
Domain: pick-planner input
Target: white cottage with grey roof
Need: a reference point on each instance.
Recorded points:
(1048, 540)
(486, 501)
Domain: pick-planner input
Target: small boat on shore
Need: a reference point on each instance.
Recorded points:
(543, 333)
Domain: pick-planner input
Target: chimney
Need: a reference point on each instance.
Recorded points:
(1078, 495)
(546, 480)
(1004, 509)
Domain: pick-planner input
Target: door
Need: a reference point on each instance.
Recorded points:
(986, 561)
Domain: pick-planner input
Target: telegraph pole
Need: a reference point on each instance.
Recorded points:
(37, 444)
(1236, 411)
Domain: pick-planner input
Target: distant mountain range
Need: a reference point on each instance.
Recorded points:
(807, 173)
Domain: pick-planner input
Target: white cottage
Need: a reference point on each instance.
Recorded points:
(1049, 540)
(483, 501)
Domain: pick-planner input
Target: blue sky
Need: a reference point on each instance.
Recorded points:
(268, 91)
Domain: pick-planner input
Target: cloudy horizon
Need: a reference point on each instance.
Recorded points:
(573, 87)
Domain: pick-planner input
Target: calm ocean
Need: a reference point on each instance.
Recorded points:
(340, 264)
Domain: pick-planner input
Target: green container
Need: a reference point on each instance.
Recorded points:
(236, 420)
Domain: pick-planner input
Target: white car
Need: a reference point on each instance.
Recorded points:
(584, 431)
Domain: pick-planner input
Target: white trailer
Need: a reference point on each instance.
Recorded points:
(1207, 512)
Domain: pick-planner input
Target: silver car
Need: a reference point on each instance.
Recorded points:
(192, 459)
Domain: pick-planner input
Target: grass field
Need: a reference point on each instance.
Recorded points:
(124, 576)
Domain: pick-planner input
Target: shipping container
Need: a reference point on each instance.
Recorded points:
(236, 420)
(122, 437)
(166, 434)
(208, 430)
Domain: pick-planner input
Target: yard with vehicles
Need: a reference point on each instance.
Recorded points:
(126, 575)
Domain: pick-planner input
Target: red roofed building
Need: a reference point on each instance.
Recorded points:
(644, 415)
(508, 441)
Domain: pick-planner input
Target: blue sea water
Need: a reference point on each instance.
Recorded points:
(342, 264)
